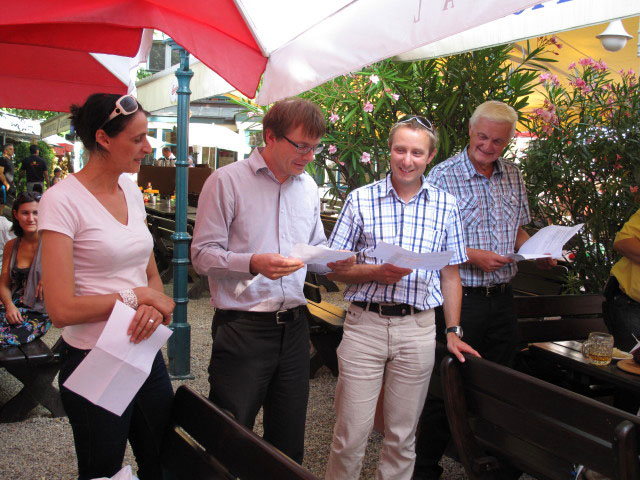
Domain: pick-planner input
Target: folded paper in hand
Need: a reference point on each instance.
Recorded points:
(115, 369)
(403, 258)
(547, 242)
(318, 255)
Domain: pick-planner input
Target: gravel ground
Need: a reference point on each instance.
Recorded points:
(41, 447)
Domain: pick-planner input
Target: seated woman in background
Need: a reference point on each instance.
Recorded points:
(22, 317)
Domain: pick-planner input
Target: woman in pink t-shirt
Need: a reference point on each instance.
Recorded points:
(97, 249)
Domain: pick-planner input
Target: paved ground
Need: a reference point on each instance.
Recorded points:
(42, 447)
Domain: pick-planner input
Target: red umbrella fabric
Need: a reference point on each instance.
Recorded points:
(299, 44)
(51, 79)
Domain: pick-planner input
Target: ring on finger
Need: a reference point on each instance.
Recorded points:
(151, 320)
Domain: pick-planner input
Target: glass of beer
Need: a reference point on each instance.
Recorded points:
(598, 348)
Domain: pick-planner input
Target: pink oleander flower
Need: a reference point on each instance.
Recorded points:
(334, 117)
(368, 107)
(601, 66)
(586, 62)
(332, 149)
(365, 158)
(633, 189)
(617, 166)
(341, 163)
(395, 96)
(544, 77)
(374, 79)
(618, 156)
(572, 65)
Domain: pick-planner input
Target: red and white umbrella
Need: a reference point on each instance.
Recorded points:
(291, 45)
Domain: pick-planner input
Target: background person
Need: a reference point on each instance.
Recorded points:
(167, 159)
(57, 176)
(7, 172)
(23, 317)
(97, 249)
(624, 293)
(36, 170)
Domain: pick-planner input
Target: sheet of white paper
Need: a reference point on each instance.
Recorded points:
(115, 369)
(318, 255)
(549, 240)
(526, 256)
(400, 257)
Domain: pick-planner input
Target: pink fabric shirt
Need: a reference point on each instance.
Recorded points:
(107, 255)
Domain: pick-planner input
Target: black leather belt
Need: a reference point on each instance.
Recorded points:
(389, 309)
(279, 317)
(489, 290)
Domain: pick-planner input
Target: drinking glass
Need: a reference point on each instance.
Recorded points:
(598, 348)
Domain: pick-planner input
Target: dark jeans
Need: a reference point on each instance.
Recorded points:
(625, 321)
(257, 363)
(490, 326)
(100, 436)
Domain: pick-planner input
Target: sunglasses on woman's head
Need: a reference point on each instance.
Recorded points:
(125, 105)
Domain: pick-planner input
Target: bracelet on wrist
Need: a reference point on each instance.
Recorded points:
(129, 298)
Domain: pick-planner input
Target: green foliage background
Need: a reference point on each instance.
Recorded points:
(583, 163)
(362, 107)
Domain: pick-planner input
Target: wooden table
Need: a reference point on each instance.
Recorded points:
(161, 209)
(569, 354)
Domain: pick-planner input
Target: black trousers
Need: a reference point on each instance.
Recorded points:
(101, 437)
(258, 363)
(490, 326)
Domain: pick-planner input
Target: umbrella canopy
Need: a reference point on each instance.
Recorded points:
(544, 20)
(209, 135)
(297, 45)
(46, 78)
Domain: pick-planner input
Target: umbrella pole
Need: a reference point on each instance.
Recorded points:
(179, 347)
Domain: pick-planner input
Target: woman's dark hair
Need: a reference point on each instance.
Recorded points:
(57, 169)
(90, 117)
(24, 197)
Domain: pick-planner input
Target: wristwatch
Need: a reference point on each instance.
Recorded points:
(457, 330)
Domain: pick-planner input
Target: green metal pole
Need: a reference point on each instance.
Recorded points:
(179, 347)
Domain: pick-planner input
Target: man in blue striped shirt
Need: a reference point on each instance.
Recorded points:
(494, 207)
(388, 346)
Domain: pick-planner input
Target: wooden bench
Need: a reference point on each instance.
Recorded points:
(325, 326)
(35, 365)
(531, 280)
(546, 318)
(496, 413)
(162, 230)
(206, 443)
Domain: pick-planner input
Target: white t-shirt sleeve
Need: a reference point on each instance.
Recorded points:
(56, 212)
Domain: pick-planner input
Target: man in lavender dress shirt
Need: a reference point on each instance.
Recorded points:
(250, 215)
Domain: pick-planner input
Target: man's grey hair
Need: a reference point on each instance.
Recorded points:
(495, 111)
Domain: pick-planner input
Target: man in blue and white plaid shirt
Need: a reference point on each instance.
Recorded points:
(388, 346)
(494, 207)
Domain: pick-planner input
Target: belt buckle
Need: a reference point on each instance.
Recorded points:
(380, 305)
(278, 313)
(488, 290)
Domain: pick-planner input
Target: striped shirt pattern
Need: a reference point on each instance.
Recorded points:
(429, 222)
(492, 210)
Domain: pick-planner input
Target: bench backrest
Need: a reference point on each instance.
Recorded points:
(559, 317)
(205, 442)
(541, 428)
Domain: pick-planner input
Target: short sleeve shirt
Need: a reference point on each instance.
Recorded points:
(108, 256)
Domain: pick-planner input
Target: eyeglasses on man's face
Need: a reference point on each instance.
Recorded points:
(421, 120)
(304, 149)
